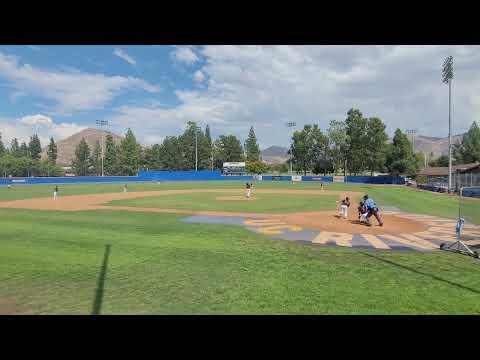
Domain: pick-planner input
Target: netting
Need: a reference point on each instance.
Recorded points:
(469, 208)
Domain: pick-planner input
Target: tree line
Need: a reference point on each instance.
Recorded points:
(25, 159)
(174, 153)
(356, 145)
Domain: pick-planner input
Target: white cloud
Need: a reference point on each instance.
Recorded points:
(36, 120)
(185, 55)
(71, 90)
(122, 54)
(44, 126)
(265, 86)
(198, 76)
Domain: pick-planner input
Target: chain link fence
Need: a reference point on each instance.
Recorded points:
(465, 180)
(469, 208)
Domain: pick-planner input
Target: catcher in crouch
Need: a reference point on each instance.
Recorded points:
(372, 209)
(362, 212)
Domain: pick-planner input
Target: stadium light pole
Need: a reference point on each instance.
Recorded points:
(102, 123)
(196, 147)
(447, 76)
(412, 132)
(291, 125)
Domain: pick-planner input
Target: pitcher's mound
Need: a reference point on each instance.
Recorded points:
(234, 198)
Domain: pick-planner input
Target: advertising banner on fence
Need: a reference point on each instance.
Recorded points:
(296, 178)
(233, 168)
(257, 177)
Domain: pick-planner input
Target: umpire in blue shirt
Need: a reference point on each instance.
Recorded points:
(372, 209)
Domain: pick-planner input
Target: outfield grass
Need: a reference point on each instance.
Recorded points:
(259, 203)
(56, 263)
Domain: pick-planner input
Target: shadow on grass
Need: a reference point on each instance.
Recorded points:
(97, 302)
(421, 273)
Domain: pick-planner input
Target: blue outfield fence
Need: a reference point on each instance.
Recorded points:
(203, 175)
(143, 176)
(392, 180)
(68, 180)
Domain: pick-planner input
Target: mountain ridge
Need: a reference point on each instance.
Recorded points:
(66, 147)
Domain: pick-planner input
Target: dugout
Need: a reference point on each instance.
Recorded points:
(437, 177)
(467, 177)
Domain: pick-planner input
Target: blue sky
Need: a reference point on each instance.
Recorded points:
(59, 90)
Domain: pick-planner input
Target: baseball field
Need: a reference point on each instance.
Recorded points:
(203, 248)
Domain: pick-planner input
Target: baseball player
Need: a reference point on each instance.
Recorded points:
(248, 188)
(362, 212)
(55, 192)
(125, 188)
(345, 204)
(372, 209)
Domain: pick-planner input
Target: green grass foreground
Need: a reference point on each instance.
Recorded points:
(117, 262)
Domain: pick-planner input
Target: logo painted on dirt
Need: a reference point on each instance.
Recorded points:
(438, 230)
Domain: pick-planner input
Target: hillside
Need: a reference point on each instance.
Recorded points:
(66, 147)
(275, 155)
(439, 146)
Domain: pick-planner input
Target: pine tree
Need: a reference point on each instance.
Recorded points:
(193, 137)
(81, 164)
(171, 154)
(14, 148)
(376, 146)
(35, 148)
(400, 158)
(209, 145)
(152, 157)
(24, 152)
(227, 149)
(2, 147)
(251, 146)
(52, 152)
(129, 155)
(468, 150)
(96, 159)
(356, 129)
(337, 135)
(110, 160)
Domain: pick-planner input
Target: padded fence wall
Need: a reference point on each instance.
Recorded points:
(143, 176)
(68, 180)
(392, 180)
(204, 175)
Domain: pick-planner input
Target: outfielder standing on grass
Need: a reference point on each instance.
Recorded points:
(55, 193)
(372, 210)
(248, 188)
